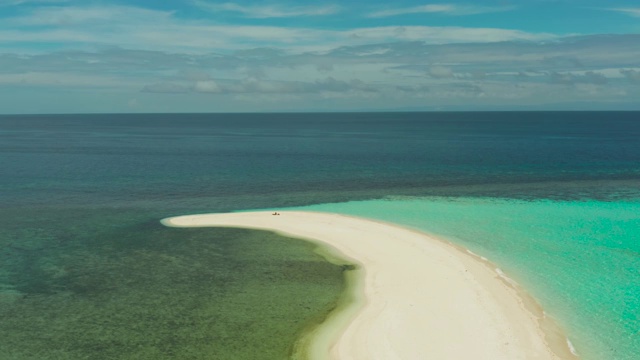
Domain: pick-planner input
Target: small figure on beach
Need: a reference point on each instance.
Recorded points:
(276, 213)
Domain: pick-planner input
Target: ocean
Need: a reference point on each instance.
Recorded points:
(87, 271)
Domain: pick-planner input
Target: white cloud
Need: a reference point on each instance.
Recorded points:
(408, 64)
(149, 54)
(88, 15)
(632, 75)
(166, 87)
(568, 78)
(25, 2)
(268, 11)
(50, 36)
(66, 79)
(448, 9)
(433, 8)
(374, 51)
(383, 62)
(440, 72)
(629, 11)
(443, 35)
(208, 86)
(260, 86)
(143, 29)
(133, 27)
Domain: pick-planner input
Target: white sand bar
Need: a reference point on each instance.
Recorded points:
(422, 298)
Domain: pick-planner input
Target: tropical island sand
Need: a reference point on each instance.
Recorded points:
(413, 297)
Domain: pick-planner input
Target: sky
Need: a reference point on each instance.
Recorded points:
(129, 56)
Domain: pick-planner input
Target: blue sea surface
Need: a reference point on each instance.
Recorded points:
(550, 197)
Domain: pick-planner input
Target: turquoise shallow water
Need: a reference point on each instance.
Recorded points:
(579, 259)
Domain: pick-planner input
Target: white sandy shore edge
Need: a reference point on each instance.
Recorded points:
(421, 297)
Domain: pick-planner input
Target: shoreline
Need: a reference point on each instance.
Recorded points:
(413, 295)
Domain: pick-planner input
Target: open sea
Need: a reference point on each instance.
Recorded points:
(88, 272)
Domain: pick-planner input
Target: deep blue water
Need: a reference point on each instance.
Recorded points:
(204, 160)
(82, 186)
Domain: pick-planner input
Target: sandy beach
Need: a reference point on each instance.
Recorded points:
(415, 296)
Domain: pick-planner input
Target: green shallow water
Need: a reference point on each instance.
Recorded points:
(118, 285)
(579, 259)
